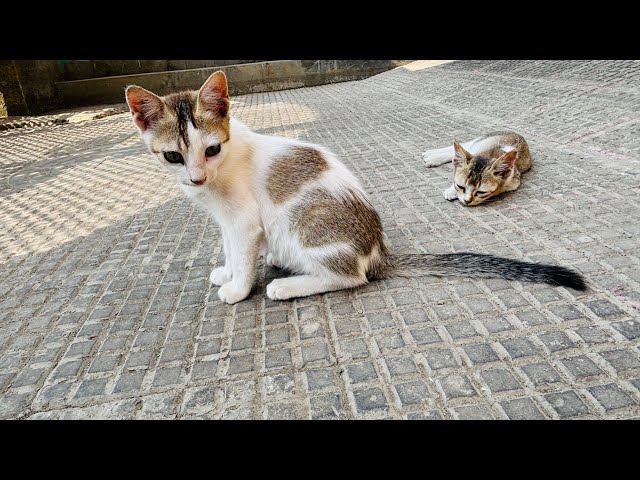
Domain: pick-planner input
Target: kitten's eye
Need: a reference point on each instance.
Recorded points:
(173, 157)
(212, 150)
(478, 192)
(460, 187)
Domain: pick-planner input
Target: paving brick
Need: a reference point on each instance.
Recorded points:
(204, 370)
(474, 412)
(500, 380)
(425, 336)
(411, 393)
(142, 358)
(361, 372)
(519, 347)
(604, 308)
(541, 373)
(277, 358)
(104, 363)
(92, 387)
(522, 409)
(567, 404)
(460, 331)
(370, 399)
(320, 378)
(594, 335)
(532, 318)
(355, 349)
(283, 384)
(380, 320)
(326, 407)
(277, 336)
(457, 386)
(581, 367)
(390, 342)
(241, 364)
(401, 366)
(414, 316)
(621, 360)
(315, 352)
(611, 396)
(129, 382)
(481, 353)
(441, 358)
(166, 376)
(430, 415)
(282, 411)
(629, 328)
(556, 341)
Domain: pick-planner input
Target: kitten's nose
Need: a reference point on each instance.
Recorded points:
(199, 181)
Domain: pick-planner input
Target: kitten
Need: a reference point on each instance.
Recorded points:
(484, 167)
(293, 198)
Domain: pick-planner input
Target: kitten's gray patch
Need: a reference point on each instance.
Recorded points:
(322, 219)
(290, 171)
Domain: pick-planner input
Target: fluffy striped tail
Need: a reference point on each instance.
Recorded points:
(476, 265)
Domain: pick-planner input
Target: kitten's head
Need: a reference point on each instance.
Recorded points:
(478, 178)
(187, 131)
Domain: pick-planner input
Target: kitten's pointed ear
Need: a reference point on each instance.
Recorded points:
(461, 156)
(504, 165)
(214, 95)
(146, 107)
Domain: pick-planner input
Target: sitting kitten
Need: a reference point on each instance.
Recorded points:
(296, 199)
(484, 167)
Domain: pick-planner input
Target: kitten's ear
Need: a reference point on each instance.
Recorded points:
(146, 107)
(461, 156)
(213, 95)
(503, 166)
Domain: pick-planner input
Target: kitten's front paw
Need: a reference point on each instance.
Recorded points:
(279, 290)
(450, 194)
(220, 275)
(230, 294)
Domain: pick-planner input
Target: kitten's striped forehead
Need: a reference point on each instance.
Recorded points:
(183, 105)
(182, 119)
(476, 168)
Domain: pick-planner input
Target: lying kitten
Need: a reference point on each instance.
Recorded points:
(484, 167)
(295, 198)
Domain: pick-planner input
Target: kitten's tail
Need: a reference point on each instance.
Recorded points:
(475, 265)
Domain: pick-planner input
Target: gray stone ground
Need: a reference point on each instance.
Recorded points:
(106, 311)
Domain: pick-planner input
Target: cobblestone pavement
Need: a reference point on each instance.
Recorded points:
(106, 311)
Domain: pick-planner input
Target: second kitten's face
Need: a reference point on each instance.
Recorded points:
(478, 178)
(187, 131)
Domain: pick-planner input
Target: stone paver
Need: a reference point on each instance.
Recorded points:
(106, 310)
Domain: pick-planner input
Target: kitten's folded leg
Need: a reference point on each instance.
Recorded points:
(450, 193)
(305, 285)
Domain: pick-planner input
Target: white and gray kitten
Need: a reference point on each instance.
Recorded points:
(483, 167)
(292, 199)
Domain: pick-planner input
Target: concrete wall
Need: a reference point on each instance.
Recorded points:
(28, 86)
(32, 87)
(246, 78)
(85, 69)
(3, 107)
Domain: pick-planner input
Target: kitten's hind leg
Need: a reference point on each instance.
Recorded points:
(450, 193)
(437, 157)
(305, 285)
